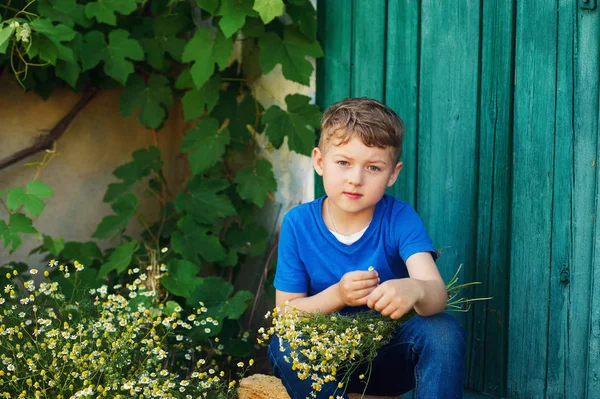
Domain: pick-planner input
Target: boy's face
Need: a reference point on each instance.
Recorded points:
(355, 176)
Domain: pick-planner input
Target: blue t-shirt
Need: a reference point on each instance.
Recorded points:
(311, 259)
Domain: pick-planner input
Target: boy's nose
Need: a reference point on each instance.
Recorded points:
(355, 177)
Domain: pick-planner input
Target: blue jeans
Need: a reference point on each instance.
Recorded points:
(426, 354)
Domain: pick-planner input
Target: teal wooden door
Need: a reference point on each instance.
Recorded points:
(500, 102)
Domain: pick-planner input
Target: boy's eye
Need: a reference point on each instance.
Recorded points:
(374, 168)
(343, 163)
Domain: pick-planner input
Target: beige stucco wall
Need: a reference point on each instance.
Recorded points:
(99, 140)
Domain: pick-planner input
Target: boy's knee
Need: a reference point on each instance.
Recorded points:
(445, 332)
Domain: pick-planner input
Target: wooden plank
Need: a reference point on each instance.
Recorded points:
(488, 362)
(368, 51)
(587, 182)
(334, 73)
(534, 107)
(562, 231)
(585, 142)
(401, 87)
(447, 146)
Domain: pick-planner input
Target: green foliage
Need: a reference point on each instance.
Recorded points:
(302, 118)
(254, 182)
(117, 54)
(159, 53)
(120, 259)
(30, 198)
(290, 52)
(268, 9)
(205, 51)
(152, 99)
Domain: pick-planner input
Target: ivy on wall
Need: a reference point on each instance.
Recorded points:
(161, 52)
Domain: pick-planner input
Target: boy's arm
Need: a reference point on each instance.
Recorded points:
(423, 270)
(326, 301)
(424, 290)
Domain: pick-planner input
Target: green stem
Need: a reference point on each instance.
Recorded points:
(22, 11)
(370, 370)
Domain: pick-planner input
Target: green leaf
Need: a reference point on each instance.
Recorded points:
(171, 307)
(240, 115)
(48, 41)
(250, 239)
(9, 237)
(30, 199)
(43, 48)
(33, 205)
(205, 144)
(68, 71)
(144, 162)
(205, 52)
(105, 10)
(116, 54)
(119, 259)
(194, 240)
(233, 14)
(209, 5)
(305, 16)
(18, 224)
(203, 201)
(291, 53)
(152, 100)
(235, 307)
(84, 252)
(268, 9)
(144, 301)
(67, 12)
(39, 189)
(53, 245)
(182, 278)
(56, 33)
(254, 184)
(124, 207)
(192, 245)
(196, 102)
(5, 34)
(115, 190)
(212, 291)
(172, 22)
(155, 55)
(15, 198)
(298, 123)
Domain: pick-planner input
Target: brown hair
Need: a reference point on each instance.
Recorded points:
(374, 123)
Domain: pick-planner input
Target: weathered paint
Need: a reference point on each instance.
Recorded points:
(402, 72)
(500, 101)
(487, 364)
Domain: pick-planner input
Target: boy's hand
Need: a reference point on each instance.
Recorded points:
(354, 287)
(396, 297)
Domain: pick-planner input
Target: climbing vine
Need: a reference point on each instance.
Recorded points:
(160, 52)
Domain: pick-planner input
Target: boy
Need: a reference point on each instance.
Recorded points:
(326, 247)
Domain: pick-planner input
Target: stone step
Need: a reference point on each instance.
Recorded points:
(260, 386)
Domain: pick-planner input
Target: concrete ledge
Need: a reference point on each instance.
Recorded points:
(260, 386)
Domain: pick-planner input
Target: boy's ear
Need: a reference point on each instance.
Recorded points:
(317, 157)
(394, 174)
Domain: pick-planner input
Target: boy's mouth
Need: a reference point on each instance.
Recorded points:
(352, 195)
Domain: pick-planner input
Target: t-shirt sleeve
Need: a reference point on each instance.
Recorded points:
(413, 237)
(291, 274)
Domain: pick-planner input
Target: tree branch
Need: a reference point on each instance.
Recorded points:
(55, 133)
